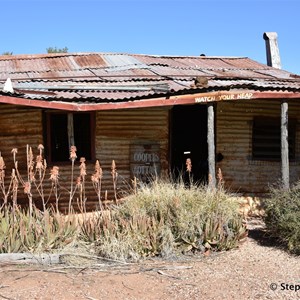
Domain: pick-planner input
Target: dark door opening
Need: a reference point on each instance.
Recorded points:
(189, 140)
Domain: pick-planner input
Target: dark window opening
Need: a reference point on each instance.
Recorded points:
(82, 135)
(266, 138)
(68, 129)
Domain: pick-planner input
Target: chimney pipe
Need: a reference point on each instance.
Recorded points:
(272, 50)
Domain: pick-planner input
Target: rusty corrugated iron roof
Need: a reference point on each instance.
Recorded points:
(104, 77)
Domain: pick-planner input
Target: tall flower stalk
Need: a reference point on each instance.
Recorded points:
(30, 175)
(114, 178)
(40, 169)
(15, 185)
(54, 176)
(97, 182)
(10, 189)
(73, 157)
(36, 167)
(81, 184)
(188, 164)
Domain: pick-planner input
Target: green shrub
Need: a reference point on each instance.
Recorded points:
(39, 231)
(282, 217)
(167, 219)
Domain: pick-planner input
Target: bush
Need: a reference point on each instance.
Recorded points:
(163, 219)
(167, 219)
(282, 217)
(22, 231)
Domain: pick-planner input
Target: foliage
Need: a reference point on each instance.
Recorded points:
(161, 218)
(166, 219)
(35, 181)
(282, 217)
(7, 53)
(57, 50)
(21, 231)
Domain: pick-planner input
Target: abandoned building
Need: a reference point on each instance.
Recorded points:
(150, 113)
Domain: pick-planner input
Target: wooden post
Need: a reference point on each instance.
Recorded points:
(284, 146)
(71, 130)
(211, 145)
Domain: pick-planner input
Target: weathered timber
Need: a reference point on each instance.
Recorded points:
(284, 146)
(211, 145)
(28, 258)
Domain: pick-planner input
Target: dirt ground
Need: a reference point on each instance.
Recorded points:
(255, 270)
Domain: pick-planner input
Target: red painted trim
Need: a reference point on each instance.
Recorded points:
(38, 103)
(153, 102)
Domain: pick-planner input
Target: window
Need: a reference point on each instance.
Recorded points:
(68, 129)
(266, 138)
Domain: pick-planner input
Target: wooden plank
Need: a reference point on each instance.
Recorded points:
(29, 258)
(71, 130)
(284, 146)
(211, 145)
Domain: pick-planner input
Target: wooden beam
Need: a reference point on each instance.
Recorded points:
(244, 95)
(284, 146)
(29, 258)
(71, 130)
(211, 145)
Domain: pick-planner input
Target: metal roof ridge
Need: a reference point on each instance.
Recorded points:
(50, 55)
(188, 56)
(46, 55)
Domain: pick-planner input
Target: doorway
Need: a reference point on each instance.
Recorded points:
(189, 140)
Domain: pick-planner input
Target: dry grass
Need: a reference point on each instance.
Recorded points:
(161, 218)
(167, 219)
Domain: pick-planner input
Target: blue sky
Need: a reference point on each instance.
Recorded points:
(162, 27)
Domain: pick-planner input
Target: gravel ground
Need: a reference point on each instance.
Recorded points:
(255, 270)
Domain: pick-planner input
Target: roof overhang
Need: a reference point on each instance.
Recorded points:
(153, 102)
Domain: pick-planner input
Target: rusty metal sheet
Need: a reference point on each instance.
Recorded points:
(123, 62)
(87, 70)
(233, 133)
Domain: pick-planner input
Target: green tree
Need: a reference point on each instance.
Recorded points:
(57, 50)
(7, 53)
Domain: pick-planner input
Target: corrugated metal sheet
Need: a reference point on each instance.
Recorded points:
(179, 73)
(234, 140)
(122, 62)
(115, 132)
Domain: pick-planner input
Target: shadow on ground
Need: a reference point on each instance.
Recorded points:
(258, 232)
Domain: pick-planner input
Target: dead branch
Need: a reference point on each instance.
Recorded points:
(4, 297)
(164, 274)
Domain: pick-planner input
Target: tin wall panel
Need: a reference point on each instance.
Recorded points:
(19, 126)
(116, 131)
(234, 140)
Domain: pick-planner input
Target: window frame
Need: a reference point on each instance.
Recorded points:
(48, 131)
(272, 122)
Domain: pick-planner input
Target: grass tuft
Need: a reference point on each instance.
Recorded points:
(167, 219)
(282, 216)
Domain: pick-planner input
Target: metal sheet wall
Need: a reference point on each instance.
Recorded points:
(234, 140)
(117, 130)
(19, 126)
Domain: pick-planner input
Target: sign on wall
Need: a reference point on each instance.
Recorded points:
(144, 160)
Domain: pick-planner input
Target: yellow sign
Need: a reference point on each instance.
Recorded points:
(224, 97)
